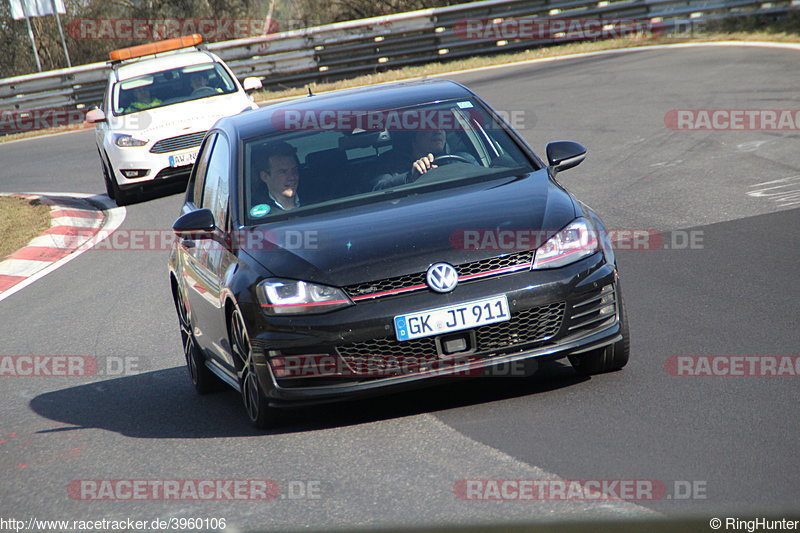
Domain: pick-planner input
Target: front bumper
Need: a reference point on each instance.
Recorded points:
(158, 166)
(561, 302)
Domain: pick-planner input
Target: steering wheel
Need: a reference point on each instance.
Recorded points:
(444, 159)
(203, 91)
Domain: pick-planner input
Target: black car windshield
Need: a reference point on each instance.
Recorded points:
(172, 86)
(334, 157)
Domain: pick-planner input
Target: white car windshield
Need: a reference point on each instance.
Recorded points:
(159, 89)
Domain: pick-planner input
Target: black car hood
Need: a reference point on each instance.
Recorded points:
(406, 235)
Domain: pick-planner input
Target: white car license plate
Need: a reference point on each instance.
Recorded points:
(452, 318)
(182, 159)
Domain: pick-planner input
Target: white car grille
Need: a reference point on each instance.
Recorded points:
(181, 142)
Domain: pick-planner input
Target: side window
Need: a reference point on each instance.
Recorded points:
(194, 191)
(314, 143)
(217, 180)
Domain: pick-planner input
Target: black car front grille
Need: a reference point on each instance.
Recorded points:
(181, 142)
(525, 327)
(466, 272)
(531, 325)
(379, 288)
(495, 263)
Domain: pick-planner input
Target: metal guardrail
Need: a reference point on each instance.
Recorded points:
(340, 50)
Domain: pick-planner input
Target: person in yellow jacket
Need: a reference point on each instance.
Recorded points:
(143, 99)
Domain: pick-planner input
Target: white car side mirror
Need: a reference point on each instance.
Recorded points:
(251, 84)
(95, 115)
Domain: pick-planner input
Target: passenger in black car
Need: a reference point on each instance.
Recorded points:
(279, 176)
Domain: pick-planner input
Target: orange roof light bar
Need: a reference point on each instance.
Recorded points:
(183, 41)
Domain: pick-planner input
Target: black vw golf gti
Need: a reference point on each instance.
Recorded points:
(368, 240)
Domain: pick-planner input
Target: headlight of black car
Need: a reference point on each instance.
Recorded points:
(574, 242)
(292, 297)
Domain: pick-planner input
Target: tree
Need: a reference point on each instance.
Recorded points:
(17, 57)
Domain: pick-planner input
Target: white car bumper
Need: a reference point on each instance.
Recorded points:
(134, 165)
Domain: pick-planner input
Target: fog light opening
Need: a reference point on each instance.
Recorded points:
(134, 173)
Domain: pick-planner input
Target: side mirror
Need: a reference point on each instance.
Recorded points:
(94, 115)
(251, 84)
(565, 154)
(198, 224)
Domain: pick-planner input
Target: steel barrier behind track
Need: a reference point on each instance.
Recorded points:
(345, 49)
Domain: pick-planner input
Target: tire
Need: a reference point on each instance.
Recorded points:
(258, 410)
(608, 358)
(112, 188)
(203, 379)
(122, 198)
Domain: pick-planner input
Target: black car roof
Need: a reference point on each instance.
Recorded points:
(388, 96)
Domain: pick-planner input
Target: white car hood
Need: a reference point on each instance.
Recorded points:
(177, 119)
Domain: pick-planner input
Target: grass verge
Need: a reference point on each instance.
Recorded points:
(21, 220)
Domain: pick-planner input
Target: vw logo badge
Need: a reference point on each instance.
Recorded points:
(442, 277)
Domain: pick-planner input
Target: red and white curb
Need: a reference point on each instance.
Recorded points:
(75, 226)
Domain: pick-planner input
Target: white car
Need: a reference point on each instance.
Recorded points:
(160, 100)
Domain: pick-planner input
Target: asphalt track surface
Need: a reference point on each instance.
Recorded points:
(394, 460)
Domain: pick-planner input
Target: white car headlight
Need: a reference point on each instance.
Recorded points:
(127, 141)
(286, 296)
(576, 241)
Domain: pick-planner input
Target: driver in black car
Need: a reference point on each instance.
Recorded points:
(425, 147)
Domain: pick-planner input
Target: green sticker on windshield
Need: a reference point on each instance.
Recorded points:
(259, 210)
